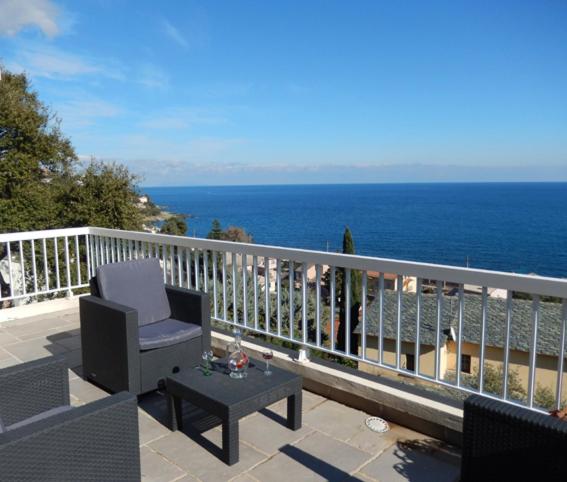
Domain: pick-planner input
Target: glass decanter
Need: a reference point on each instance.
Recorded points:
(237, 359)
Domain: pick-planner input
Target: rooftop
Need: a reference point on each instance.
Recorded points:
(333, 444)
(549, 329)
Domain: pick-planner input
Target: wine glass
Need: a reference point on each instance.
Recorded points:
(207, 356)
(268, 355)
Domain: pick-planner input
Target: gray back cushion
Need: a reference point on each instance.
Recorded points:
(137, 284)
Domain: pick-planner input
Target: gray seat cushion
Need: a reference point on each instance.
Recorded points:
(39, 416)
(137, 284)
(166, 333)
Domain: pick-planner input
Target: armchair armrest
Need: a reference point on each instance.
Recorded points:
(506, 442)
(191, 306)
(110, 343)
(33, 387)
(97, 441)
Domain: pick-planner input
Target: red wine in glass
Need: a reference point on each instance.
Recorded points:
(268, 355)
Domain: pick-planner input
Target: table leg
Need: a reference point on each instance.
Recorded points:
(294, 403)
(175, 412)
(230, 441)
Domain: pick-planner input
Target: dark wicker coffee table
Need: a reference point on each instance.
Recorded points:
(231, 399)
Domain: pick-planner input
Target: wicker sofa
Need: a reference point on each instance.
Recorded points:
(43, 438)
(135, 330)
(505, 442)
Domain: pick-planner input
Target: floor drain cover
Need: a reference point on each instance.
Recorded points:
(377, 424)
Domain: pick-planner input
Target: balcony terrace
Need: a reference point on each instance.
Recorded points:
(333, 444)
(403, 353)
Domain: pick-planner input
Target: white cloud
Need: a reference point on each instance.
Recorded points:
(174, 34)
(180, 119)
(49, 62)
(16, 15)
(153, 77)
(83, 112)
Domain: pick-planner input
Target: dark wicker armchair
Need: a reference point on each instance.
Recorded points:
(43, 438)
(135, 330)
(506, 442)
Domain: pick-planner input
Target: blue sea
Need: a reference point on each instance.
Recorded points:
(516, 227)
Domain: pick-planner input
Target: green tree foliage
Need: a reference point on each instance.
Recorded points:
(355, 298)
(175, 225)
(36, 160)
(103, 195)
(216, 230)
(41, 183)
(232, 233)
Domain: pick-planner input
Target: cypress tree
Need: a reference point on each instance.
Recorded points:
(355, 298)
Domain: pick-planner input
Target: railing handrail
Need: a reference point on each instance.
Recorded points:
(535, 284)
(45, 234)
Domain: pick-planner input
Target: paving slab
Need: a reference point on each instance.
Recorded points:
(156, 468)
(33, 349)
(316, 457)
(150, 428)
(198, 461)
(405, 462)
(86, 392)
(310, 401)
(337, 420)
(7, 338)
(268, 435)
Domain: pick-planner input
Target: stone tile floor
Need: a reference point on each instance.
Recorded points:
(333, 444)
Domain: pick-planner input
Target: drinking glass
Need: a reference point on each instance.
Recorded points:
(207, 357)
(268, 355)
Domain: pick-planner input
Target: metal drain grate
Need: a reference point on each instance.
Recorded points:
(377, 424)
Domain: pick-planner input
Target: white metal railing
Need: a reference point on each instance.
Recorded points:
(268, 290)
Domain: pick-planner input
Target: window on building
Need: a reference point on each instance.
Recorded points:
(410, 362)
(466, 363)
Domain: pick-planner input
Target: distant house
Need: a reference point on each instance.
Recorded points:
(549, 332)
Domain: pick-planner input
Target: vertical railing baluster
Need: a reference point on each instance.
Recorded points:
(224, 301)
(255, 287)
(34, 267)
(363, 306)
(560, 360)
(172, 264)
(164, 260)
(509, 298)
(89, 254)
(304, 302)
(483, 322)
(67, 262)
(533, 351)
(106, 249)
(112, 249)
(381, 318)
(215, 294)
(179, 267)
(10, 275)
(45, 267)
(333, 307)
(22, 269)
(438, 332)
(347, 305)
(56, 249)
(318, 304)
(418, 309)
(78, 260)
(125, 250)
(188, 268)
(279, 295)
(244, 260)
(130, 253)
(460, 335)
(267, 294)
(196, 256)
(234, 291)
(291, 301)
(400, 287)
(205, 271)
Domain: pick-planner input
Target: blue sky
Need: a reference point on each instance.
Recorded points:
(246, 92)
